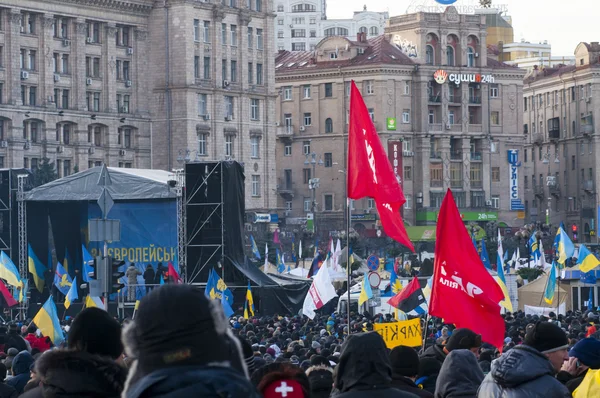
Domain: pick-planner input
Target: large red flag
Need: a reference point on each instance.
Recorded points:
(370, 173)
(463, 292)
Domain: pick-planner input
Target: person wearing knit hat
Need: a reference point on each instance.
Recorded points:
(405, 368)
(281, 379)
(583, 356)
(182, 346)
(463, 339)
(321, 381)
(529, 370)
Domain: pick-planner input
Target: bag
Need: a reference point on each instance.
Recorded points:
(590, 386)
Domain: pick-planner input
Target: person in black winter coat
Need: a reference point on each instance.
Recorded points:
(364, 369)
(6, 391)
(20, 369)
(149, 277)
(429, 368)
(14, 339)
(405, 368)
(460, 376)
(183, 350)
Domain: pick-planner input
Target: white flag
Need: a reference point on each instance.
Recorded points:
(300, 249)
(266, 267)
(319, 294)
(336, 256)
(513, 260)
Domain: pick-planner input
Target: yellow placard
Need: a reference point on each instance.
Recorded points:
(521, 215)
(406, 333)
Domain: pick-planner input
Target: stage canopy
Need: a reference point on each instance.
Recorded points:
(126, 184)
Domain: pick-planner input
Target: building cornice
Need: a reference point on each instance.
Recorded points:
(567, 77)
(309, 74)
(143, 7)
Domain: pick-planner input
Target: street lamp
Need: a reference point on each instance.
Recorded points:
(313, 183)
(184, 156)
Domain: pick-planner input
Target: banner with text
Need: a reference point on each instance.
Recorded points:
(406, 333)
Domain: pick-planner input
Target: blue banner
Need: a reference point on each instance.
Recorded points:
(148, 232)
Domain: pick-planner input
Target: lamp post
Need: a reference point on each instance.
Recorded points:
(313, 184)
(551, 181)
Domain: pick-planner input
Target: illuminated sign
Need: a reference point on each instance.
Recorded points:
(513, 161)
(441, 77)
(395, 157)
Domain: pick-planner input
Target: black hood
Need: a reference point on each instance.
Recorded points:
(460, 376)
(65, 373)
(364, 364)
(435, 351)
(520, 365)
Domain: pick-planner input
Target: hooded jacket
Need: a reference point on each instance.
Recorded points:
(522, 372)
(364, 369)
(14, 340)
(20, 369)
(435, 351)
(403, 383)
(460, 376)
(66, 373)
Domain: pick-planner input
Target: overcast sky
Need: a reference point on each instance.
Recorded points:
(563, 23)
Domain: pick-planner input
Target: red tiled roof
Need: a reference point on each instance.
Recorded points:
(492, 63)
(547, 73)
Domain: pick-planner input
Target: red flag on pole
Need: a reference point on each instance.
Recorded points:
(8, 298)
(173, 275)
(370, 173)
(463, 292)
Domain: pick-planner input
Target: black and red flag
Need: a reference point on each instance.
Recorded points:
(410, 299)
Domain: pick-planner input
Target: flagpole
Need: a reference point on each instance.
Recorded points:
(425, 334)
(348, 265)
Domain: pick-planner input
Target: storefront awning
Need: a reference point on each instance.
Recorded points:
(421, 234)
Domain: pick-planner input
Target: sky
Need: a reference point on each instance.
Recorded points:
(563, 23)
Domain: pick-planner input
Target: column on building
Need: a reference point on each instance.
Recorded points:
(14, 55)
(486, 168)
(217, 137)
(422, 149)
(466, 149)
(46, 71)
(79, 74)
(141, 76)
(445, 152)
(109, 55)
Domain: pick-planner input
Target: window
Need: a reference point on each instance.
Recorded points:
(250, 35)
(229, 145)
(495, 174)
(306, 147)
(406, 116)
(125, 70)
(287, 93)
(202, 143)
(279, 7)
(287, 150)
(495, 117)
(307, 119)
(476, 175)
(306, 175)
(429, 60)
(370, 203)
(65, 64)
(431, 117)
(196, 67)
(207, 31)
(259, 39)
(258, 4)
(30, 24)
(369, 88)
(328, 125)
(196, 30)
(328, 159)
(298, 33)
(228, 106)
(525, 104)
(328, 90)
(254, 109)
(32, 64)
(372, 114)
(126, 134)
(202, 104)
(436, 175)
(64, 104)
(477, 199)
(313, 33)
(259, 74)
(407, 87)
(328, 202)
(280, 22)
(525, 155)
(255, 185)
(223, 33)
(298, 46)
(307, 204)
(333, 55)
(206, 73)
(435, 199)
(470, 57)
(234, 41)
(306, 91)
(336, 32)
(526, 182)
(450, 55)
(233, 75)
(304, 8)
(250, 73)
(254, 147)
(313, 20)
(494, 91)
(407, 173)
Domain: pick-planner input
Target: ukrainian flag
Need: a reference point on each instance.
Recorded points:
(506, 303)
(534, 248)
(36, 268)
(395, 283)
(563, 245)
(249, 305)
(88, 260)
(72, 294)
(365, 293)
(9, 272)
(67, 260)
(586, 260)
(62, 280)
(254, 247)
(47, 321)
(217, 289)
(551, 286)
(91, 302)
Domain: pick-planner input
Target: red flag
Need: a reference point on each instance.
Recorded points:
(8, 298)
(370, 173)
(463, 292)
(408, 298)
(173, 275)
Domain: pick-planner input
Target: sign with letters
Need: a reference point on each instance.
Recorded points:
(406, 333)
(513, 161)
(395, 157)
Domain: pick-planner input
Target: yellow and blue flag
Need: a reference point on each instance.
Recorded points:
(365, 293)
(280, 264)
(249, 305)
(395, 283)
(72, 294)
(88, 260)
(216, 289)
(534, 248)
(551, 285)
(563, 246)
(62, 280)
(293, 249)
(47, 321)
(67, 262)
(254, 247)
(506, 303)
(94, 302)
(36, 268)
(9, 272)
(586, 259)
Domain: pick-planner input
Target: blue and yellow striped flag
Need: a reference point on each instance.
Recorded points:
(249, 305)
(72, 294)
(47, 321)
(551, 286)
(36, 268)
(9, 272)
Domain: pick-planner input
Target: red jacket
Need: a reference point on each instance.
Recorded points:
(41, 343)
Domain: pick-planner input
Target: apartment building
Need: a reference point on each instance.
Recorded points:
(447, 114)
(561, 161)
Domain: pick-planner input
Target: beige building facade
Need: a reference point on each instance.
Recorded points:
(561, 162)
(140, 84)
(446, 114)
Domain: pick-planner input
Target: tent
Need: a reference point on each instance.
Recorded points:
(532, 294)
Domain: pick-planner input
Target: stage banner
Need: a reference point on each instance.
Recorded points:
(406, 333)
(148, 232)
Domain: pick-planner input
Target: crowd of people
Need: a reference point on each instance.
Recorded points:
(193, 350)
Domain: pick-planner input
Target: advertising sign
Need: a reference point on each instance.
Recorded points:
(406, 333)
(395, 156)
(441, 77)
(391, 123)
(513, 161)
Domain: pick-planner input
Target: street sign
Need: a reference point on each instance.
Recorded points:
(106, 202)
(374, 279)
(104, 179)
(373, 263)
(104, 230)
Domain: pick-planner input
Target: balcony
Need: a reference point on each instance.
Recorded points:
(285, 187)
(285, 131)
(456, 155)
(474, 100)
(435, 127)
(476, 184)
(587, 129)
(454, 99)
(588, 185)
(435, 155)
(456, 184)
(435, 99)
(554, 190)
(554, 134)
(537, 139)
(476, 156)
(475, 128)
(436, 183)
(538, 190)
(533, 211)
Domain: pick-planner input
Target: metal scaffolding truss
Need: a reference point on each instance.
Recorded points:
(6, 207)
(181, 224)
(22, 224)
(214, 251)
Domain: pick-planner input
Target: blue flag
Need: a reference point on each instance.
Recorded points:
(551, 285)
(62, 280)
(280, 264)
(485, 258)
(216, 289)
(293, 250)
(591, 299)
(87, 268)
(534, 247)
(254, 247)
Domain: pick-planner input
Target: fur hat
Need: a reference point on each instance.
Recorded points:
(463, 339)
(96, 332)
(321, 381)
